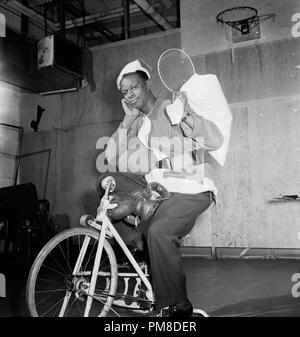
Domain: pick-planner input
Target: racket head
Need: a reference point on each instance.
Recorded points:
(175, 67)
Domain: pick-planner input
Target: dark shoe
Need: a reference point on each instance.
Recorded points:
(182, 309)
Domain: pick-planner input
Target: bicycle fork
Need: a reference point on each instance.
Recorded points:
(95, 270)
(94, 274)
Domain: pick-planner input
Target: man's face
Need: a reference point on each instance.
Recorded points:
(135, 90)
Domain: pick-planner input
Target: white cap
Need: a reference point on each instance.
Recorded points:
(132, 67)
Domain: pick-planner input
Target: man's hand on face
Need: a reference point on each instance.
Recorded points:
(128, 109)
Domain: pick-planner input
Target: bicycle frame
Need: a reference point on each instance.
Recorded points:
(102, 224)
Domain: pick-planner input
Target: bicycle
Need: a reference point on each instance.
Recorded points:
(76, 273)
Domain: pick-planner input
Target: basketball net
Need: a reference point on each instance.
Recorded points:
(232, 18)
(228, 35)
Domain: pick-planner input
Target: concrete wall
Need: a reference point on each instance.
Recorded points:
(15, 103)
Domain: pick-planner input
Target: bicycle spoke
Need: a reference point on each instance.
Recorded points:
(59, 265)
(89, 258)
(78, 306)
(54, 270)
(47, 291)
(53, 306)
(71, 305)
(65, 256)
(45, 299)
(55, 312)
(46, 280)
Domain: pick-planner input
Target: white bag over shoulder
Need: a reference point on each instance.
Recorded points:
(207, 99)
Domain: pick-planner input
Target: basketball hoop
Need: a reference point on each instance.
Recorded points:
(243, 19)
(240, 18)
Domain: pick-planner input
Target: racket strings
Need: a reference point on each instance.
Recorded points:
(175, 68)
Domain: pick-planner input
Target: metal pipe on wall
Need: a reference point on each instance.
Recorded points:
(83, 27)
(102, 16)
(46, 21)
(126, 10)
(33, 15)
(62, 17)
(158, 18)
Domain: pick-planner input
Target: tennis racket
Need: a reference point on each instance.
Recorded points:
(175, 67)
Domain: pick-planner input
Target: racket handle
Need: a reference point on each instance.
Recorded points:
(175, 111)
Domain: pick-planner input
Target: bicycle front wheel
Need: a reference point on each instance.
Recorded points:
(60, 277)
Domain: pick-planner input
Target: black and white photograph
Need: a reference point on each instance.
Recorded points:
(149, 161)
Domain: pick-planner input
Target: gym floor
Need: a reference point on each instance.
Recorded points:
(223, 288)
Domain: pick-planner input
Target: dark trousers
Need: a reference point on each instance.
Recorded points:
(173, 220)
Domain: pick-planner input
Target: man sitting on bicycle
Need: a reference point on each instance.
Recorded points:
(177, 165)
